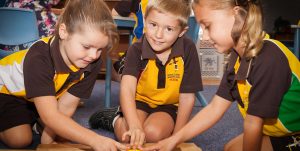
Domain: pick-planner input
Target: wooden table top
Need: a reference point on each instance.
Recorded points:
(79, 147)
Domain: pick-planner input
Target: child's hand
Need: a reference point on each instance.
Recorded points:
(107, 144)
(167, 144)
(137, 137)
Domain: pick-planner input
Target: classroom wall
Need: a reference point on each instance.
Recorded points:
(288, 9)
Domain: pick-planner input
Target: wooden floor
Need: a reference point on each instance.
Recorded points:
(207, 81)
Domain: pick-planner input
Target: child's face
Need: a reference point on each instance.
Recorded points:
(216, 25)
(162, 30)
(82, 48)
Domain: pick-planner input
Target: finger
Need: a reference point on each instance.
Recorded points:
(121, 146)
(132, 140)
(137, 138)
(142, 140)
(151, 148)
(125, 135)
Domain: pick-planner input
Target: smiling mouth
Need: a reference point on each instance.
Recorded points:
(87, 62)
(157, 42)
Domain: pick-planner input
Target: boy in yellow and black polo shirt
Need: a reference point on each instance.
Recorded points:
(53, 75)
(160, 77)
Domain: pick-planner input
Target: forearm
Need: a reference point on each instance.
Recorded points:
(61, 124)
(67, 128)
(67, 105)
(131, 116)
(186, 104)
(127, 101)
(203, 120)
(252, 133)
(48, 136)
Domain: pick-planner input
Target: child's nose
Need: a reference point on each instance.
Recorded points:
(159, 33)
(93, 54)
(205, 35)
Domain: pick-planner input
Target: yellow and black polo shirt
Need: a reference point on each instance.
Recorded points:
(41, 71)
(267, 86)
(160, 84)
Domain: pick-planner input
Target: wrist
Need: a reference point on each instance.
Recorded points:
(135, 126)
(93, 141)
(177, 138)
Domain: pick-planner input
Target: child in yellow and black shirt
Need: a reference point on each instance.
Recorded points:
(160, 76)
(49, 78)
(262, 75)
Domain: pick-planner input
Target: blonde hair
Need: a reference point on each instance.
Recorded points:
(248, 26)
(94, 13)
(179, 8)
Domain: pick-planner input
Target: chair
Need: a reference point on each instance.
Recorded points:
(18, 26)
(193, 34)
(122, 23)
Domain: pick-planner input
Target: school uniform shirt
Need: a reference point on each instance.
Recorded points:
(160, 84)
(266, 86)
(41, 71)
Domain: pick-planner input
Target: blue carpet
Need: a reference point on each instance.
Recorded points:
(212, 140)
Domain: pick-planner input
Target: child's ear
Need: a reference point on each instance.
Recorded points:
(236, 10)
(62, 31)
(184, 30)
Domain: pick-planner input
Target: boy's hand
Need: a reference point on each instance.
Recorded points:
(137, 137)
(107, 144)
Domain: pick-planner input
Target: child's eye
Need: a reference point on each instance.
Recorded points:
(207, 27)
(86, 47)
(169, 29)
(152, 25)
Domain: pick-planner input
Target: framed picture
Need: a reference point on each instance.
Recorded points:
(209, 63)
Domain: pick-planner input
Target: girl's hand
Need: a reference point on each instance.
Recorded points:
(137, 137)
(167, 144)
(107, 144)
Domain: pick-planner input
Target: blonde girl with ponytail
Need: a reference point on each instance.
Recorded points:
(262, 75)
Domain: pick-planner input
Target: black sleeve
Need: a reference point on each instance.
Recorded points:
(133, 60)
(38, 71)
(270, 79)
(228, 82)
(191, 81)
(83, 89)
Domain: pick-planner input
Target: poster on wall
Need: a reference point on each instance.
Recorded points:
(209, 63)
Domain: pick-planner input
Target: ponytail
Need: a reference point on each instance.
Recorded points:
(248, 27)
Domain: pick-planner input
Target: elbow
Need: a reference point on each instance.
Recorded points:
(187, 99)
(253, 123)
